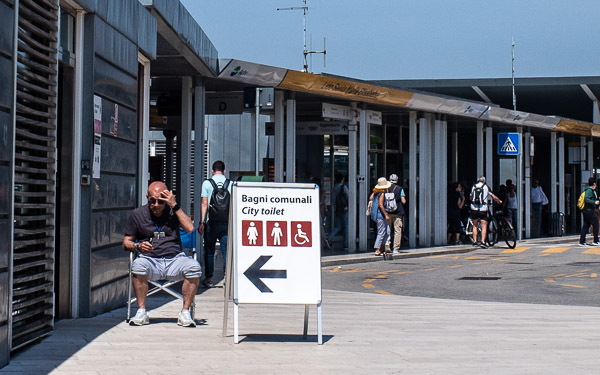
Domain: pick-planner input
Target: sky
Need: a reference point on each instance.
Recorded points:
(410, 39)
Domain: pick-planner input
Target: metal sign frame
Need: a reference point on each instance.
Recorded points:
(260, 270)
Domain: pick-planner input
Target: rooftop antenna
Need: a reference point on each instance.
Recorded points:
(306, 52)
(513, 76)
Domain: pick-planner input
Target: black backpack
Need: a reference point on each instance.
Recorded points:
(341, 201)
(218, 209)
(477, 195)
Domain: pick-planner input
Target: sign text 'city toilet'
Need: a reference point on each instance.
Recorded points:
(255, 200)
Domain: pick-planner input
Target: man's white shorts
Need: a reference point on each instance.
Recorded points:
(172, 269)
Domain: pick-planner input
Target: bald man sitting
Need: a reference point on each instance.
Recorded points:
(153, 231)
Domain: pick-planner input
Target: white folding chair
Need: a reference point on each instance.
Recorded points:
(155, 286)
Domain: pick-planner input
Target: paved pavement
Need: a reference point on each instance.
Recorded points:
(363, 333)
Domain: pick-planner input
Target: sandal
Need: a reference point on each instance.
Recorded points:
(378, 253)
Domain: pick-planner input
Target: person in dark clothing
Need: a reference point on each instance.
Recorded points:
(456, 201)
(589, 215)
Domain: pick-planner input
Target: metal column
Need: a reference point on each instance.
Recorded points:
(279, 136)
(363, 170)
(412, 179)
(527, 188)
(553, 182)
(199, 172)
(489, 154)
(290, 147)
(590, 155)
(424, 182)
(185, 145)
(454, 154)
(479, 142)
(439, 166)
(352, 188)
(561, 174)
(520, 187)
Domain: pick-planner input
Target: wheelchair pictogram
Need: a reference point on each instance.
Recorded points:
(301, 233)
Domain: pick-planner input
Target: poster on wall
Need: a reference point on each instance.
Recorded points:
(97, 136)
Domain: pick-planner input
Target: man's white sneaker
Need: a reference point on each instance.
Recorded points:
(583, 245)
(185, 319)
(140, 318)
(595, 243)
(397, 252)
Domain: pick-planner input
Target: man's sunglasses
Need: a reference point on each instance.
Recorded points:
(155, 201)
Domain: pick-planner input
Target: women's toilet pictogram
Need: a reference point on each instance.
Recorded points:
(301, 233)
(252, 233)
(277, 233)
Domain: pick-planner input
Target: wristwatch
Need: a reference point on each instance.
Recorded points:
(176, 207)
(136, 247)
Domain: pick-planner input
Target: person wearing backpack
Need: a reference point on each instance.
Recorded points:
(396, 199)
(380, 215)
(340, 209)
(591, 202)
(216, 193)
(480, 199)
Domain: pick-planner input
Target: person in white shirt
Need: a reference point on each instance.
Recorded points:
(538, 199)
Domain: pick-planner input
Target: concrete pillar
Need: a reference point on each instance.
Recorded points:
(590, 155)
(290, 150)
(412, 179)
(424, 181)
(440, 181)
(279, 136)
(185, 146)
(363, 188)
(454, 155)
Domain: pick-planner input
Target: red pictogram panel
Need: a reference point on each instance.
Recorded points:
(276, 233)
(301, 233)
(252, 233)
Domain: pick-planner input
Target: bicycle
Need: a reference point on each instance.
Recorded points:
(498, 225)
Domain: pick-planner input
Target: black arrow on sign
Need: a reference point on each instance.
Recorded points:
(255, 274)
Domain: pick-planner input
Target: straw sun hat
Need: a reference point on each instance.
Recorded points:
(382, 183)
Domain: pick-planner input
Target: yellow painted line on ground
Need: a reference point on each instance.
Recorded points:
(455, 266)
(518, 249)
(573, 286)
(430, 269)
(456, 257)
(368, 280)
(556, 250)
(579, 273)
(380, 277)
(543, 255)
(560, 275)
(594, 275)
(335, 270)
(475, 258)
(352, 270)
(549, 280)
(391, 271)
(368, 286)
(592, 251)
(441, 256)
(403, 272)
(481, 263)
(500, 259)
(383, 292)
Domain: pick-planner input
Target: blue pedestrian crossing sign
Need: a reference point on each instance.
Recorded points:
(508, 144)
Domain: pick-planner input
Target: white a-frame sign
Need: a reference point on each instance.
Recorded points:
(273, 249)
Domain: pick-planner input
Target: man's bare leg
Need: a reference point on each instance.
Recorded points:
(475, 224)
(140, 288)
(188, 289)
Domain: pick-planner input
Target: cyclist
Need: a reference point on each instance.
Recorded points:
(480, 201)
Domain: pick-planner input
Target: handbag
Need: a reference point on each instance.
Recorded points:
(369, 207)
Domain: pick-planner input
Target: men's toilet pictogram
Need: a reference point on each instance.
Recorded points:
(252, 233)
(301, 233)
(277, 233)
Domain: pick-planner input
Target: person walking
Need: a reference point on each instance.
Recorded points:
(340, 208)
(397, 215)
(380, 215)
(214, 222)
(589, 215)
(456, 201)
(480, 200)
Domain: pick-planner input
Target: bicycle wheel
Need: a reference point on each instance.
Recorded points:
(492, 234)
(510, 237)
